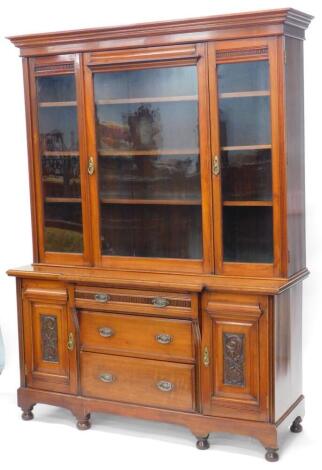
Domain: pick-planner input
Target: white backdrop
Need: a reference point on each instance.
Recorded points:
(52, 439)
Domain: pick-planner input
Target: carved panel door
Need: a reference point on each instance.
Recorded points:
(235, 369)
(48, 340)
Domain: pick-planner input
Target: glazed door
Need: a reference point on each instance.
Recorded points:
(235, 369)
(245, 147)
(49, 338)
(149, 158)
(61, 220)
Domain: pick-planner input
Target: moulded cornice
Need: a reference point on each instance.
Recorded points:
(72, 41)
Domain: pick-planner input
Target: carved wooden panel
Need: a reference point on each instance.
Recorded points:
(234, 360)
(134, 300)
(235, 330)
(243, 53)
(49, 338)
(52, 65)
(50, 68)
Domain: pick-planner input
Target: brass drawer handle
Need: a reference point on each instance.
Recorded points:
(106, 332)
(164, 338)
(160, 302)
(102, 297)
(165, 386)
(107, 378)
(70, 342)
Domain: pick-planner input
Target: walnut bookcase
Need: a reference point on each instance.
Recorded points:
(167, 193)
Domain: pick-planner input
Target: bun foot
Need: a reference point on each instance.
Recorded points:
(27, 415)
(202, 442)
(297, 426)
(271, 455)
(84, 423)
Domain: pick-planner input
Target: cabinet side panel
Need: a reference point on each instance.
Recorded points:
(288, 348)
(294, 85)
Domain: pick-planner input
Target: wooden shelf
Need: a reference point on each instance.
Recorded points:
(56, 104)
(152, 99)
(157, 202)
(146, 153)
(247, 147)
(67, 153)
(244, 94)
(63, 199)
(248, 203)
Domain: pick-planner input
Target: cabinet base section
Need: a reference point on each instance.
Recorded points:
(200, 425)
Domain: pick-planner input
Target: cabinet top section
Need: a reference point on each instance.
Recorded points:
(285, 21)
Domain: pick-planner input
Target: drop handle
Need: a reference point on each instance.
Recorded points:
(216, 166)
(101, 297)
(107, 378)
(165, 386)
(160, 302)
(164, 338)
(106, 332)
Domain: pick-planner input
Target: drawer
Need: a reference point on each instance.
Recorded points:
(162, 338)
(139, 381)
(135, 301)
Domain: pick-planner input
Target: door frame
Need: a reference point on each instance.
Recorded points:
(152, 57)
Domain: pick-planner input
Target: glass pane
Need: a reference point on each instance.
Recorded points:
(243, 76)
(149, 170)
(245, 121)
(246, 161)
(151, 231)
(159, 82)
(58, 137)
(148, 126)
(61, 176)
(56, 88)
(246, 175)
(58, 128)
(154, 177)
(63, 227)
(248, 234)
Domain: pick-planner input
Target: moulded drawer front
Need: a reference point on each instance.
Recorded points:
(155, 337)
(136, 301)
(139, 381)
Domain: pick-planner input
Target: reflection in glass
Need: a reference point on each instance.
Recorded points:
(153, 177)
(246, 175)
(58, 129)
(147, 83)
(61, 176)
(245, 121)
(58, 141)
(56, 88)
(63, 227)
(243, 76)
(149, 174)
(147, 126)
(151, 231)
(248, 234)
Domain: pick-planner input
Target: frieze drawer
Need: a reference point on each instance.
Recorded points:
(139, 381)
(163, 338)
(149, 302)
